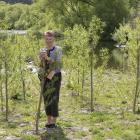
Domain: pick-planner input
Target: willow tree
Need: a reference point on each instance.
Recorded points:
(9, 64)
(1, 79)
(95, 29)
(21, 57)
(5, 60)
(2, 70)
(133, 47)
(76, 61)
(78, 49)
(136, 36)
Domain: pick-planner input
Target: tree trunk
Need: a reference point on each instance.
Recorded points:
(40, 100)
(137, 80)
(6, 88)
(24, 89)
(123, 60)
(1, 93)
(22, 74)
(23, 85)
(91, 76)
(78, 78)
(39, 106)
(83, 82)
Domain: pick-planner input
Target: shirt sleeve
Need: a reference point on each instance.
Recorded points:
(59, 55)
(56, 65)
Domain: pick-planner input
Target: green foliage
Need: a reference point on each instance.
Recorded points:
(112, 12)
(14, 54)
(83, 23)
(77, 52)
(129, 135)
(95, 29)
(46, 14)
(30, 137)
(73, 12)
(132, 45)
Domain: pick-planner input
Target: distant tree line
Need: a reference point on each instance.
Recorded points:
(18, 1)
(62, 14)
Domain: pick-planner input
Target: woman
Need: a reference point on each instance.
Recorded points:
(51, 62)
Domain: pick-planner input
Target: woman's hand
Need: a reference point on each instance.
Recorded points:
(42, 55)
(46, 57)
(50, 75)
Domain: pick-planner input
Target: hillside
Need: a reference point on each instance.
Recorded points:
(100, 88)
(18, 1)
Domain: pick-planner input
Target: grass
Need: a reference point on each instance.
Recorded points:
(112, 118)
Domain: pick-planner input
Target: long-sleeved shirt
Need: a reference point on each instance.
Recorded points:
(55, 62)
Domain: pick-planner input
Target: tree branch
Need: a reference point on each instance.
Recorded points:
(89, 2)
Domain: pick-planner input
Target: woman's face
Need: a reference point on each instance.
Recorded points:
(49, 38)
